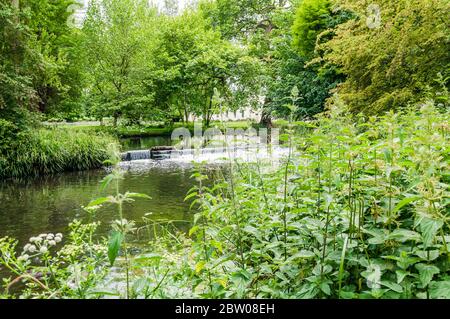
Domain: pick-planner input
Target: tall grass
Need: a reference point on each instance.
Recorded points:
(47, 151)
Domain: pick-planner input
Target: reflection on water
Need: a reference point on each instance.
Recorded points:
(145, 143)
(49, 204)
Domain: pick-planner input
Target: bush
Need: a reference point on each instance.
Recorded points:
(361, 210)
(46, 151)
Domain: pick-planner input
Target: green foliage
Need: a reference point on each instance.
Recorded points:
(312, 18)
(47, 268)
(39, 68)
(16, 89)
(48, 151)
(191, 64)
(358, 210)
(365, 215)
(397, 64)
(113, 36)
(57, 79)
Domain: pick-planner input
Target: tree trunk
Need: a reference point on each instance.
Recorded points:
(266, 118)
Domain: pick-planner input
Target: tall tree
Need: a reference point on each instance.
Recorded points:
(252, 23)
(192, 62)
(396, 62)
(114, 35)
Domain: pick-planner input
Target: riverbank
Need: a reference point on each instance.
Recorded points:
(43, 151)
(144, 130)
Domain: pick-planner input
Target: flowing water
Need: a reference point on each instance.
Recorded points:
(50, 203)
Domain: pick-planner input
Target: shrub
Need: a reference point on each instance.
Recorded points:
(359, 211)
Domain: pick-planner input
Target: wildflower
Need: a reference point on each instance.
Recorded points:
(24, 257)
(59, 235)
(58, 239)
(32, 248)
(52, 242)
(43, 235)
(43, 250)
(25, 248)
(50, 236)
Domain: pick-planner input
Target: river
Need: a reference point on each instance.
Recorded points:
(48, 204)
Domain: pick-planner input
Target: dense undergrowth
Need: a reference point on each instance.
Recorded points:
(360, 209)
(42, 151)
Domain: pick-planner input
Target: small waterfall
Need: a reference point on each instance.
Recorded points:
(168, 153)
(136, 155)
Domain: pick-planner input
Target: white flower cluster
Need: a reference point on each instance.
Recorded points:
(40, 245)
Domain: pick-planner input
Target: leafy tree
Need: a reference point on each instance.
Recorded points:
(397, 63)
(17, 94)
(58, 83)
(312, 18)
(191, 63)
(39, 54)
(114, 34)
(252, 23)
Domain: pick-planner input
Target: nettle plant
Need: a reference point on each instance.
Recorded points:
(48, 268)
(359, 210)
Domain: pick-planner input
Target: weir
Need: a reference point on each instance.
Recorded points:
(160, 153)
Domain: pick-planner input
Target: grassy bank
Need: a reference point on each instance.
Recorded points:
(55, 150)
(148, 130)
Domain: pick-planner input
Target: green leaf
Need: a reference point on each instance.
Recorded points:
(429, 228)
(191, 195)
(251, 230)
(137, 195)
(401, 275)
(429, 255)
(403, 235)
(387, 154)
(393, 286)
(106, 181)
(193, 230)
(99, 201)
(426, 273)
(148, 257)
(404, 202)
(325, 288)
(200, 266)
(440, 289)
(303, 254)
(115, 241)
